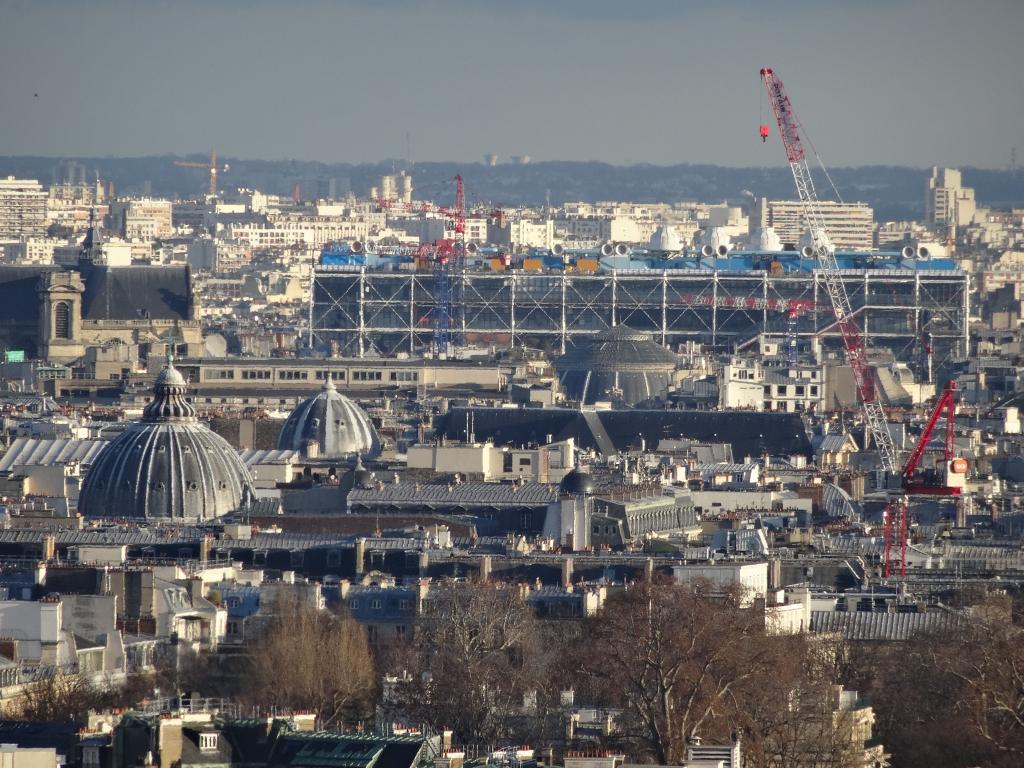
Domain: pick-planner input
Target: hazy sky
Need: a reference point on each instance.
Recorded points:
(910, 82)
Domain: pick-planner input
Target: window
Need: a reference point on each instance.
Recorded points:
(353, 604)
(90, 756)
(814, 390)
(62, 320)
(222, 373)
(256, 373)
(405, 605)
(375, 605)
(404, 376)
(800, 390)
(524, 461)
(366, 376)
(293, 375)
(207, 742)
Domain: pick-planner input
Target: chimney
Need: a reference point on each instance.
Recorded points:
(360, 555)
(567, 572)
(170, 741)
(485, 568)
(49, 548)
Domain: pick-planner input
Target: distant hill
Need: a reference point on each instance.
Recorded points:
(895, 192)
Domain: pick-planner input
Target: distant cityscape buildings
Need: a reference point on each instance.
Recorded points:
(22, 208)
(245, 411)
(948, 204)
(850, 226)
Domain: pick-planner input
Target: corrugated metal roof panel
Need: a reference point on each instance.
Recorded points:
(35, 452)
(881, 626)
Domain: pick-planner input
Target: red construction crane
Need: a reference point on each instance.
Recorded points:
(825, 255)
(853, 341)
(943, 483)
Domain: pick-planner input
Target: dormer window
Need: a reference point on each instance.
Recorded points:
(208, 742)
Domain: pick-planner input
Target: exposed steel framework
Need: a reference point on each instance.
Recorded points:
(824, 253)
(450, 257)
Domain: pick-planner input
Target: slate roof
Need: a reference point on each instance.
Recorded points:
(31, 735)
(749, 433)
(19, 300)
(860, 625)
(137, 293)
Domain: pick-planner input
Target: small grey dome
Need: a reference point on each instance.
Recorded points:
(333, 423)
(577, 483)
(168, 466)
(620, 364)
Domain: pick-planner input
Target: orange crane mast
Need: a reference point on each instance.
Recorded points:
(210, 167)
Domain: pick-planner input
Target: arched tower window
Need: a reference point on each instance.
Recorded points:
(62, 320)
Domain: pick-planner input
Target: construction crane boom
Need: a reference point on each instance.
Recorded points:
(824, 253)
(210, 167)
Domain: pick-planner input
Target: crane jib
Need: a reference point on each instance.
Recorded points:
(853, 342)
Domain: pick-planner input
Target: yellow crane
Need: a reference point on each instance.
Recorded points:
(211, 167)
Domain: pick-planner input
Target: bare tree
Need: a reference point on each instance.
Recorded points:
(676, 659)
(61, 697)
(311, 659)
(474, 656)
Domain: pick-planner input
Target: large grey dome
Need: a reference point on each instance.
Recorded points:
(168, 466)
(620, 364)
(332, 424)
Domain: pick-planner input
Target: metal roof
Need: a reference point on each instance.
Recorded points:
(861, 625)
(253, 457)
(832, 443)
(38, 452)
(456, 494)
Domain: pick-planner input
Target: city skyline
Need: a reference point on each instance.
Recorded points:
(876, 84)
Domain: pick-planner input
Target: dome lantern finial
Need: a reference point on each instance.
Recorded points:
(169, 403)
